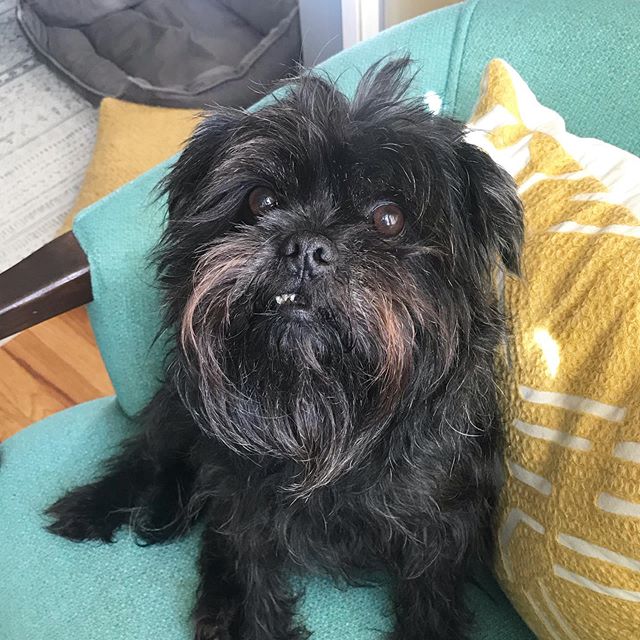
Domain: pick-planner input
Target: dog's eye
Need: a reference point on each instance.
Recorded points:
(261, 199)
(388, 219)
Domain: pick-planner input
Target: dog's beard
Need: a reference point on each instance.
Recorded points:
(317, 387)
(400, 321)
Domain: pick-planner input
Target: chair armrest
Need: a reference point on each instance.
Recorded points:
(47, 283)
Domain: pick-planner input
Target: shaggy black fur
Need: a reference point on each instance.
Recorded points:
(356, 428)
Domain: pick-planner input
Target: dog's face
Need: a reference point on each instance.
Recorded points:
(325, 261)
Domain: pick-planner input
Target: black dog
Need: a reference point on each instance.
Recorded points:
(331, 403)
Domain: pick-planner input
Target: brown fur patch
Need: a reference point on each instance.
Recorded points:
(214, 282)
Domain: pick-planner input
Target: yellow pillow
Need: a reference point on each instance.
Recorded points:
(568, 524)
(131, 139)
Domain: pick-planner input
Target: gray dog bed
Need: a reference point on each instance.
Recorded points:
(181, 53)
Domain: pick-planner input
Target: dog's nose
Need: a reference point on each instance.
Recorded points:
(309, 254)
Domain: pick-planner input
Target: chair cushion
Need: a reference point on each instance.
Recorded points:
(53, 589)
(569, 518)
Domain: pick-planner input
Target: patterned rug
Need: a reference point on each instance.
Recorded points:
(47, 133)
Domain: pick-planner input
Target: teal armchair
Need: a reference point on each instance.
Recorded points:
(580, 57)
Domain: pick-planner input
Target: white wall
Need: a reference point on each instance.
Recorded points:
(396, 11)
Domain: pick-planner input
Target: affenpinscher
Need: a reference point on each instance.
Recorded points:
(331, 402)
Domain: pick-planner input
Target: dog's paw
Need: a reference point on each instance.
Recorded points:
(453, 633)
(253, 631)
(212, 629)
(218, 622)
(163, 518)
(82, 515)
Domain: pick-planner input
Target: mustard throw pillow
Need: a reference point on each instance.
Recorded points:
(568, 525)
(131, 139)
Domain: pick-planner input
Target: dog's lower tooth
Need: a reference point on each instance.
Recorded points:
(292, 297)
(279, 299)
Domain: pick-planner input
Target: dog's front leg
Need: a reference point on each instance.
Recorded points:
(146, 493)
(147, 485)
(430, 605)
(244, 593)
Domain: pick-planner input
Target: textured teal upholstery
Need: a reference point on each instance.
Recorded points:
(53, 589)
(580, 58)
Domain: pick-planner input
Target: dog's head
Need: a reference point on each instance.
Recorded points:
(327, 260)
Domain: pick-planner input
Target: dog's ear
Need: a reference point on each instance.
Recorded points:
(383, 86)
(185, 185)
(493, 208)
(190, 196)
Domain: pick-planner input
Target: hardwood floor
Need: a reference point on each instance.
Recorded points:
(48, 368)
